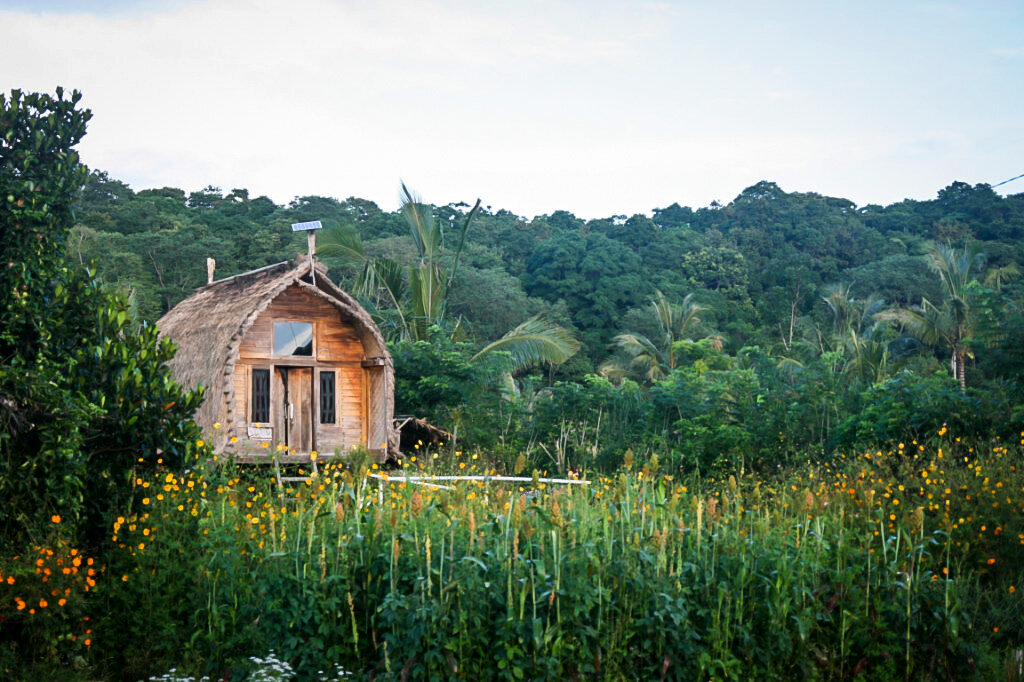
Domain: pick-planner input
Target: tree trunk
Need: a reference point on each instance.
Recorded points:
(958, 362)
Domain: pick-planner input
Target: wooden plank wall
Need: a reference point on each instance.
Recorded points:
(336, 347)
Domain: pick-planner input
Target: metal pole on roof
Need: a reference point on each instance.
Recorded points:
(310, 229)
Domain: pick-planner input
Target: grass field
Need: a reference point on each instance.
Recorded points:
(900, 564)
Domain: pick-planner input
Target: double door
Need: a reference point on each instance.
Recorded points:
(295, 416)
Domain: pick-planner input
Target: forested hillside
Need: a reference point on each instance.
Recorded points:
(787, 433)
(775, 315)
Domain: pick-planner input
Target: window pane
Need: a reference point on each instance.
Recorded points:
(327, 397)
(261, 395)
(293, 338)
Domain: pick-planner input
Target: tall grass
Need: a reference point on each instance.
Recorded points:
(895, 565)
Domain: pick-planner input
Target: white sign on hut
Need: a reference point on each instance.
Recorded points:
(288, 359)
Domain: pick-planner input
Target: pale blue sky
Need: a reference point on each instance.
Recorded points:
(599, 108)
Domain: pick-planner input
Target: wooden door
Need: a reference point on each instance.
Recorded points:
(295, 407)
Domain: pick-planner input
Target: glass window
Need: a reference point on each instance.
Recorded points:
(293, 338)
(261, 395)
(327, 397)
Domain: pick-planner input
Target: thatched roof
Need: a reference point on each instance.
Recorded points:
(209, 325)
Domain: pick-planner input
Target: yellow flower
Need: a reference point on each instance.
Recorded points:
(216, 425)
(200, 443)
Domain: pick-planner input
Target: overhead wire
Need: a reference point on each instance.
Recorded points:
(1010, 180)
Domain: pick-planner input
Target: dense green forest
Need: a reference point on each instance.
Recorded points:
(779, 323)
(799, 422)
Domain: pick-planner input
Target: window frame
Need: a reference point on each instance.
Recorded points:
(259, 400)
(328, 398)
(312, 339)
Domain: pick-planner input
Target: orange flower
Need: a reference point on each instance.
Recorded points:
(43, 604)
(55, 518)
(21, 603)
(990, 562)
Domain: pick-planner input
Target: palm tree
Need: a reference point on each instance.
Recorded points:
(950, 324)
(409, 300)
(412, 299)
(653, 359)
(856, 335)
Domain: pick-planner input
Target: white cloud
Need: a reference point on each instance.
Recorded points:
(597, 107)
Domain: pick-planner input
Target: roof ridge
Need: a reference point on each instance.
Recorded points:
(250, 272)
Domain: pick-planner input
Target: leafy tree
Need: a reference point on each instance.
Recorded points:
(898, 278)
(718, 268)
(84, 398)
(912, 406)
(491, 301)
(598, 278)
(437, 380)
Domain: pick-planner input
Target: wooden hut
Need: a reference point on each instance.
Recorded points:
(291, 364)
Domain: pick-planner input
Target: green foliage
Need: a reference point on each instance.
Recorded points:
(85, 396)
(596, 277)
(534, 342)
(857, 568)
(437, 380)
(417, 296)
(908, 406)
(650, 359)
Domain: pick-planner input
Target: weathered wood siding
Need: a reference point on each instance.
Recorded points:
(336, 347)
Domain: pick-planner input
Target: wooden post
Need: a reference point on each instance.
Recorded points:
(311, 240)
(210, 265)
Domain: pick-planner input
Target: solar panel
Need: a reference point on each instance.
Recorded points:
(312, 225)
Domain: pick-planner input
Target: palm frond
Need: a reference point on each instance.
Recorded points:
(343, 242)
(462, 242)
(426, 233)
(536, 341)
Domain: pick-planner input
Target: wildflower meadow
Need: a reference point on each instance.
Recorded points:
(899, 564)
